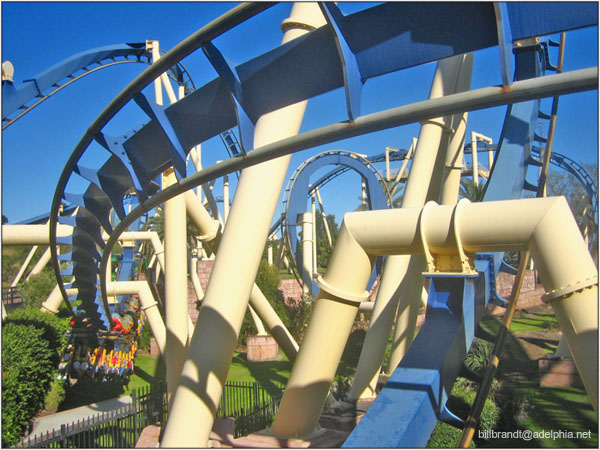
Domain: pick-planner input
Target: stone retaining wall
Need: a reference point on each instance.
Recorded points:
(530, 295)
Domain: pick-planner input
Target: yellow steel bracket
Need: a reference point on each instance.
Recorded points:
(458, 263)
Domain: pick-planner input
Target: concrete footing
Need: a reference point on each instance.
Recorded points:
(262, 348)
(149, 437)
(323, 438)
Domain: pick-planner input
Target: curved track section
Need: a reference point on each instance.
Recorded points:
(54, 79)
(299, 188)
(575, 169)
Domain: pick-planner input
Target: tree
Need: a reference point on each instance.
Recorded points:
(560, 182)
(470, 190)
(323, 249)
(563, 183)
(13, 257)
(396, 191)
(37, 288)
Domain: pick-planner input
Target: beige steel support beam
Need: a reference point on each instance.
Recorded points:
(314, 234)
(401, 282)
(32, 234)
(225, 197)
(52, 303)
(325, 224)
(196, 155)
(387, 163)
(197, 160)
(474, 138)
(54, 300)
(260, 308)
(407, 158)
(545, 226)
(163, 79)
(270, 252)
(152, 237)
(193, 271)
(222, 312)
(176, 313)
(24, 265)
(273, 323)
(260, 328)
(42, 262)
(363, 193)
(474, 162)
(305, 221)
(454, 157)
(153, 45)
(457, 78)
(342, 289)
(148, 305)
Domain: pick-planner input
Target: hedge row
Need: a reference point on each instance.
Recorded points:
(31, 345)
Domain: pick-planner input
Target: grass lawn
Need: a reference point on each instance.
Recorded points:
(149, 369)
(266, 373)
(525, 321)
(564, 411)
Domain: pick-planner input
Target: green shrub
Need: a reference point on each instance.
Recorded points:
(299, 315)
(53, 327)
(27, 369)
(31, 345)
(36, 290)
(515, 405)
(459, 402)
(267, 279)
(351, 354)
(146, 336)
(13, 257)
(478, 357)
(248, 328)
(55, 395)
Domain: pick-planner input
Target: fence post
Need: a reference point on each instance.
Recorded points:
(134, 405)
(225, 401)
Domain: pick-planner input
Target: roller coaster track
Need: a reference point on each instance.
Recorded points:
(303, 68)
(575, 169)
(298, 188)
(53, 80)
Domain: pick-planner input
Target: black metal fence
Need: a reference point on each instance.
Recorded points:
(251, 405)
(11, 298)
(246, 396)
(257, 419)
(120, 428)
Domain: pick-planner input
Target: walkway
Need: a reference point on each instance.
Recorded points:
(54, 421)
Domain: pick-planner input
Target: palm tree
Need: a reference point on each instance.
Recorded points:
(471, 191)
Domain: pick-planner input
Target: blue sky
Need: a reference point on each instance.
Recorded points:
(38, 35)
